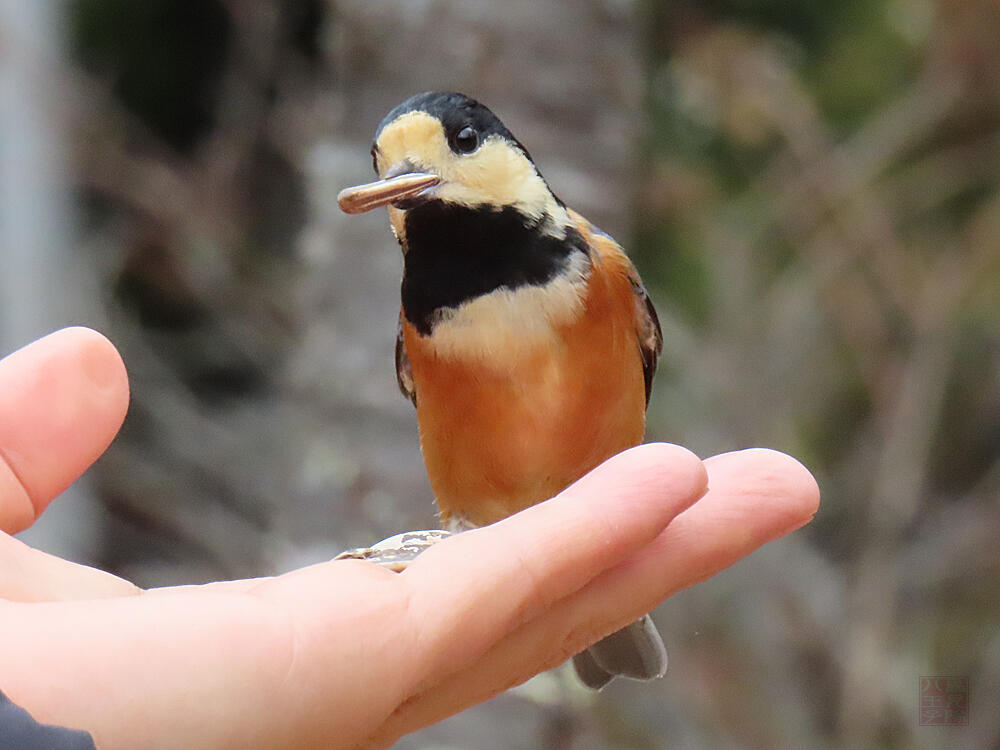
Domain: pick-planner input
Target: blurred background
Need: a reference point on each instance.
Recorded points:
(810, 189)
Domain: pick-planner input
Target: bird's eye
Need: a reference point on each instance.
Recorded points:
(467, 140)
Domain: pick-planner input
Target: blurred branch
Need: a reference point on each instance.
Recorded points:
(856, 214)
(859, 235)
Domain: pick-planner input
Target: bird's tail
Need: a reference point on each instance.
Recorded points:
(636, 651)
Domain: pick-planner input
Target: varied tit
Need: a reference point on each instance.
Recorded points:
(526, 339)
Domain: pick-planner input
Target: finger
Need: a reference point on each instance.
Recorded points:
(30, 575)
(62, 399)
(503, 575)
(754, 497)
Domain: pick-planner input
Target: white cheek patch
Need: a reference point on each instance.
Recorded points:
(501, 327)
(496, 174)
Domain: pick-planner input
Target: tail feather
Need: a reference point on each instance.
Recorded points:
(590, 673)
(636, 651)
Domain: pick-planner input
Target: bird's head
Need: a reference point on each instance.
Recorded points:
(447, 147)
(491, 256)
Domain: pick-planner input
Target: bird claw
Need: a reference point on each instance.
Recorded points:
(397, 552)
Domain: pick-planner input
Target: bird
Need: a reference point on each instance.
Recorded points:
(526, 339)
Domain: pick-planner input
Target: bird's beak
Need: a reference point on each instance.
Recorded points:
(393, 187)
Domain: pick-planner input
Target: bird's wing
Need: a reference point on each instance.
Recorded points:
(647, 331)
(404, 374)
(647, 325)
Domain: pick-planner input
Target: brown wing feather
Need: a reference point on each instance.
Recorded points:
(647, 331)
(404, 373)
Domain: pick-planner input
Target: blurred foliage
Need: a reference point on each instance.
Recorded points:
(823, 188)
(814, 201)
(131, 42)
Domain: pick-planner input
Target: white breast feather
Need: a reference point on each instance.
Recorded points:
(506, 324)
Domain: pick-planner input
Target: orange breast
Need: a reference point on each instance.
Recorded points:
(497, 439)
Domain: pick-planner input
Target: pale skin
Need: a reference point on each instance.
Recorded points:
(341, 654)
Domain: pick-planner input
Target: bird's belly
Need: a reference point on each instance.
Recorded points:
(495, 442)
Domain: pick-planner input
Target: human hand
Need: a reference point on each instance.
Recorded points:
(341, 654)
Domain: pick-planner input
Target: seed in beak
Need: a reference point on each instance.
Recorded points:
(361, 198)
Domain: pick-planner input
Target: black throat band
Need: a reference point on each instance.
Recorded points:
(457, 253)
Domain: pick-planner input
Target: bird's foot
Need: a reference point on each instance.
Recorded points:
(397, 552)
